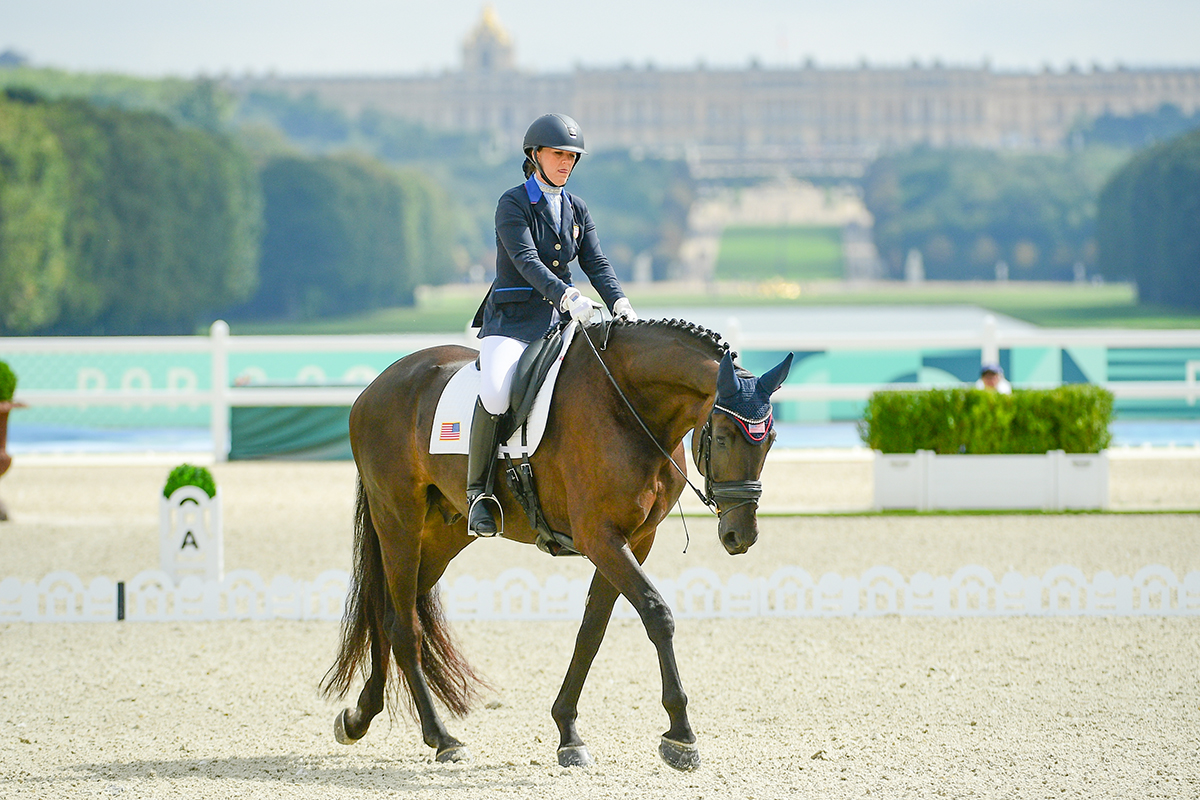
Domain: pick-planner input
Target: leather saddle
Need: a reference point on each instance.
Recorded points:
(528, 378)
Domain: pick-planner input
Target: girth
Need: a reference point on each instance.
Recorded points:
(519, 475)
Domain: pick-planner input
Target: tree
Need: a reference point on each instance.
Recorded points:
(343, 234)
(1149, 223)
(34, 258)
(967, 209)
(164, 221)
(1138, 130)
(640, 204)
(202, 102)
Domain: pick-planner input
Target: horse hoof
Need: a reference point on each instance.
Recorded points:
(576, 755)
(679, 755)
(453, 754)
(339, 729)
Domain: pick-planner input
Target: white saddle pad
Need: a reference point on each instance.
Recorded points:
(452, 420)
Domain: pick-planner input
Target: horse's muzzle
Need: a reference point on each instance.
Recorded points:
(738, 530)
(737, 509)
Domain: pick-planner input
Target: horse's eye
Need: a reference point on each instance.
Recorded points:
(721, 442)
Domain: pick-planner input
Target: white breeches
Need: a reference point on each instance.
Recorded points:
(498, 356)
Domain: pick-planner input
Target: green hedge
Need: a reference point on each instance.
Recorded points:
(190, 475)
(8, 382)
(1073, 418)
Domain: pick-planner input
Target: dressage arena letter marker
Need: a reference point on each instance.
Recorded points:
(190, 536)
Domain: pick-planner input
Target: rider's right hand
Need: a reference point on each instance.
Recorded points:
(574, 302)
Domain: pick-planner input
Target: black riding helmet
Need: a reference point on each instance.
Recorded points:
(556, 131)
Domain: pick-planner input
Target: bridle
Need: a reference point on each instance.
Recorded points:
(744, 492)
(715, 493)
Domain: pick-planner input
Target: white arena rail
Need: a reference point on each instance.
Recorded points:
(219, 345)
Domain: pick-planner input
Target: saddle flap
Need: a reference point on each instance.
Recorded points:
(531, 371)
(452, 418)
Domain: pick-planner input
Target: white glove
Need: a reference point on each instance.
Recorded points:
(624, 309)
(574, 302)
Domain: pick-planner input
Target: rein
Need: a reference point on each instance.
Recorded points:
(715, 492)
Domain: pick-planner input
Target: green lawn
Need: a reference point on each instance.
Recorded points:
(791, 253)
(445, 317)
(1053, 305)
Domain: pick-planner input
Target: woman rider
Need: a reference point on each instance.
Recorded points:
(540, 229)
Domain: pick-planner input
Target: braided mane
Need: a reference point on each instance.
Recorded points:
(704, 335)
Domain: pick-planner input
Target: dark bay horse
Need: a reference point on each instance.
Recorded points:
(604, 478)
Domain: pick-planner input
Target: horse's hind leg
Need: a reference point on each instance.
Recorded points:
(415, 630)
(352, 724)
(406, 643)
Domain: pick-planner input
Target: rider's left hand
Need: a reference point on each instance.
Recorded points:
(623, 309)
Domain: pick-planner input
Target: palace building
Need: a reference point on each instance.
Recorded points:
(803, 120)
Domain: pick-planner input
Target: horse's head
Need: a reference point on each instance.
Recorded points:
(732, 449)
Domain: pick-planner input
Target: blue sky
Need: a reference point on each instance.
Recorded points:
(213, 37)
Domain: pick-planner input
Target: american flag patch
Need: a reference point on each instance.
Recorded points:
(755, 432)
(450, 432)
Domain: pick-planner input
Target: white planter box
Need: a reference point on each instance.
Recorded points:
(190, 540)
(1054, 481)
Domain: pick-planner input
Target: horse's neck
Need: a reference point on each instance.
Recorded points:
(672, 385)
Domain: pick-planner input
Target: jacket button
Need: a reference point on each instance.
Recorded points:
(558, 247)
(555, 264)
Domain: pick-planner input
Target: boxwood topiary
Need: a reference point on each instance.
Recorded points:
(1074, 418)
(189, 475)
(8, 382)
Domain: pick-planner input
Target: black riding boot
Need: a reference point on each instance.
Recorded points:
(481, 473)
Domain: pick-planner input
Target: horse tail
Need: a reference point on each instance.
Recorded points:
(364, 628)
(450, 676)
(364, 623)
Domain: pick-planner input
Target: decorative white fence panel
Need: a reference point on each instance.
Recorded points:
(517, 594)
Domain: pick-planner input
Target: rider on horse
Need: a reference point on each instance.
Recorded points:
(540, 229)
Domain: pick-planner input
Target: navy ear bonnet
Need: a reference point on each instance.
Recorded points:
(748, 399)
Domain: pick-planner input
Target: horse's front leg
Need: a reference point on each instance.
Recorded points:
(611, 555)
(598, 610)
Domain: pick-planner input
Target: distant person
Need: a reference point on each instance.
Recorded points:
(540, 229)
(991, 376)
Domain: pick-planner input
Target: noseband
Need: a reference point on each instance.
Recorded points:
(717, 493)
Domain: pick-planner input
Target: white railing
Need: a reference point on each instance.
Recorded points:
(990, 341)
(219, 345)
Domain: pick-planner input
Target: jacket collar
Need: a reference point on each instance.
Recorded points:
(533, 190)
(535, 193)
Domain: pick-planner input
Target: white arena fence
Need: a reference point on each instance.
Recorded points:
(517, 594)
(195, 380)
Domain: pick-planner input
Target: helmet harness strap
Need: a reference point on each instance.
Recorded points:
(537, 166)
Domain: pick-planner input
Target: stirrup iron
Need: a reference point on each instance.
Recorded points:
(482, 501)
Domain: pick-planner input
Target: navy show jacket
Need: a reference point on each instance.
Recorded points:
(533, 263)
